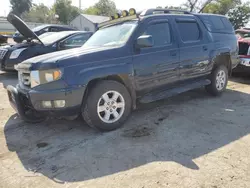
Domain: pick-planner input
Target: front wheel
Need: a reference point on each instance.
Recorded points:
(107, 106)
(219, 79)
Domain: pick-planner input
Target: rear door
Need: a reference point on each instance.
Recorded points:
(158, 65)
(194, 48)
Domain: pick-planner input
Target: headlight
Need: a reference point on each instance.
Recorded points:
(16, 53)
(44, 76)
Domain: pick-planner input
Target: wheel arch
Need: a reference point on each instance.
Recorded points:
(123, 75)
(223, 57)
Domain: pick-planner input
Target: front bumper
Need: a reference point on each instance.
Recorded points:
(243, 66)
(17, 102)
(21, 100)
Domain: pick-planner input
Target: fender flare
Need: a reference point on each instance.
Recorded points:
(221, 52)
(124, 72)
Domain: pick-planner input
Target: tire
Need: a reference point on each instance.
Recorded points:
(218, 82)
(104, 119)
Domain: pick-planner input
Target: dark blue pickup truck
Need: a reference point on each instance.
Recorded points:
(132, 58)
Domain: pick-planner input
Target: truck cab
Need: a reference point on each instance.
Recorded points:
(134, 57)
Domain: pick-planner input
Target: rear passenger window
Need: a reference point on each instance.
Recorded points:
(189, 31)
(160, 33)
(217, 24)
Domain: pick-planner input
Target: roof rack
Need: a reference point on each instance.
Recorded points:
(135, 15)
(164, 11)
(122, 19)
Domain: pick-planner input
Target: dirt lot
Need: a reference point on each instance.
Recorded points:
(192, 140)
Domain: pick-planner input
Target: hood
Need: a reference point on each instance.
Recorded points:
(77, 55)
(21, 27)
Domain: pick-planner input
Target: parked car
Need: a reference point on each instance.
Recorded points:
(243, 36)
(39, 30)
(34, 46)
(142, 57)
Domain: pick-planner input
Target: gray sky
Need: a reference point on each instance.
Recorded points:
(121, 4)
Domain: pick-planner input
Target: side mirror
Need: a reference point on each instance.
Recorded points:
(145, 41)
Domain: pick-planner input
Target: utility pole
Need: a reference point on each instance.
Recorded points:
(80, 4)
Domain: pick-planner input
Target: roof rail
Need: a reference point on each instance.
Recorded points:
(165, 11)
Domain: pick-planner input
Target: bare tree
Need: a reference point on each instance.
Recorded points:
(191, 5)
(197, 5)
(207, 2)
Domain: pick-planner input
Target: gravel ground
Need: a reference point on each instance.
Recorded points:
(191, 140)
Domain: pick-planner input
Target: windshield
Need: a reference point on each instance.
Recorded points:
(112, 36)
(45, 35)
(51, 38)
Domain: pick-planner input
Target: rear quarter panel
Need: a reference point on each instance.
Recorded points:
(225, 44)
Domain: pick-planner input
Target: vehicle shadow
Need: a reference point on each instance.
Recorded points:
(8, 78)
(243, 78)
(178, 129)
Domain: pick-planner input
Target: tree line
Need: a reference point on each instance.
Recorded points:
(63, 11)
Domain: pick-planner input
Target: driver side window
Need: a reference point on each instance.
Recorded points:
(160, 33)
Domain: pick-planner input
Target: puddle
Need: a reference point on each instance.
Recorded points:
(42, 145)
(137, 132)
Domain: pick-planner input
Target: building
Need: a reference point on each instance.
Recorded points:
(87, 22)
(7, 28)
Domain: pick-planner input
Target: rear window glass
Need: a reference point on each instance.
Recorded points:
(189, 31)
(217, 24)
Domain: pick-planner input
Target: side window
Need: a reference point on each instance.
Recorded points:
(40, 32)
(54, 29)
(46, 29)
(160, 33)
(77, 40)
(217, 23)
(189, 31)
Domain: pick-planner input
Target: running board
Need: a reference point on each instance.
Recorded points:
(155, 96)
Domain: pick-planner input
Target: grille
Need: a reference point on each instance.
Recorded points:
(2, 53)
(24, 77)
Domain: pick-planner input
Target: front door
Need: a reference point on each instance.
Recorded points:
(158, 65)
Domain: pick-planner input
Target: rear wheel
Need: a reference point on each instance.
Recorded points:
(219, 79)
(107, 106)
